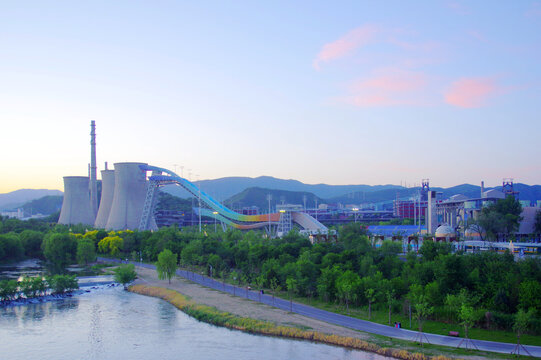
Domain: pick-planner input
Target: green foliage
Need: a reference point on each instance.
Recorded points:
(86, 251)
(8, 290)
(167, 201)
(166, 265)
(348, 285)
(32, 286)
(522, 321)
(125, 274)
(11, 247)
(467, 317)
(502, 217)
(111, 245)
(60, 284)
(59, 249)
(530, 295)
(46, 205)
(31, 241)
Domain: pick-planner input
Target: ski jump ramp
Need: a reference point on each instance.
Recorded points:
(160, 177)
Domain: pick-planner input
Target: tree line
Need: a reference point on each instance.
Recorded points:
(436, 282)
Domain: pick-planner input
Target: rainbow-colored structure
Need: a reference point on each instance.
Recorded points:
(160, 176)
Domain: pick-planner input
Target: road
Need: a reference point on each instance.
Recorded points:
(342, 320)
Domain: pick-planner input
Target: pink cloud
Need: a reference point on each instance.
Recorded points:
(477, 35)
(388, 87)
(458, 8)
(534, 10)
(346, 44)
(471, 92)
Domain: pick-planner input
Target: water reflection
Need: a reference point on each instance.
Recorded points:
(113, 324)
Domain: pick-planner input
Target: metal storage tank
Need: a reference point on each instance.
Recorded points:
(76, 207)
(129, 197)
(107, 193)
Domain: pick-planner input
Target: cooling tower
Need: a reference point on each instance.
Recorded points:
(107, 193)
(76, 208)
(129, 197)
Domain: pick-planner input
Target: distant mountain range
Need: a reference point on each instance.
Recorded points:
(238, 192)
(243, 191)
(224, 188)
(256, 196)
(17, 198)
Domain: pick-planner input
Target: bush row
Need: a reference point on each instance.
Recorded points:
(30, 287)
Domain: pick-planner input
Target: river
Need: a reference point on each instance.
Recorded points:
(110, 323)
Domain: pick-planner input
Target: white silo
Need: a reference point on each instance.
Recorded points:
(76, 207)
(107, 193)
(129, 197)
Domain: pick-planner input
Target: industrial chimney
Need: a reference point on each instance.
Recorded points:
(93, 170)
(129, 197)
(107, 193)
(482, 188)
(76, 207)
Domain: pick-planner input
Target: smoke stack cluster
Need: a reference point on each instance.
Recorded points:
(122, 200)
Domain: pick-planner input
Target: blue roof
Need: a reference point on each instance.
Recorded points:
(390, 230)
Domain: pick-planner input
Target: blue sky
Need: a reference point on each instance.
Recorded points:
(359, 92)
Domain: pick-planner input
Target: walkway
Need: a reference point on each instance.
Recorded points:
(342, 320)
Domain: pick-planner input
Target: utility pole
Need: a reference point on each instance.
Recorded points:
(199, 188)
(269, 198)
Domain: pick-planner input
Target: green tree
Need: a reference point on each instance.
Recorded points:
(124, 274)
(275, 286)
(522, 325)
(59, 249)
(11, 247)
(466, 316)
(291, 288)
(8, 290)
(60, 284)
(347, 285)
(371, 296)
(501, 217)
(390, 294)
(166, 265)
(421, 306)
(86, 251)
(31, 241)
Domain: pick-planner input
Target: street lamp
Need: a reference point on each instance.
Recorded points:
(355, 213)
(215, 213)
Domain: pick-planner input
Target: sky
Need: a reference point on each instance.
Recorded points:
(336, 92)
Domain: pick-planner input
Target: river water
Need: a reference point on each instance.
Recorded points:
(110, 323)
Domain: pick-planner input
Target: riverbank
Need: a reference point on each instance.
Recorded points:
(216, 317)
(242, 307)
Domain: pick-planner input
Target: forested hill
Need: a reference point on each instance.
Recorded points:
(258, 197)
(17, 198)
(46, 205)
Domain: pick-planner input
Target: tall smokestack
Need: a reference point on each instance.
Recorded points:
(482, 188)
(93, 170)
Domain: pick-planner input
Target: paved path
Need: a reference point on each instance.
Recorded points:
(342, 320)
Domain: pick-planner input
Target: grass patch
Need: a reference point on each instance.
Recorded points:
(433, 327)
(214, 316)
(298, 326)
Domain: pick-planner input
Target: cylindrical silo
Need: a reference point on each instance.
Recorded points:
(76, 207)
(107, 193)
(129, 197)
